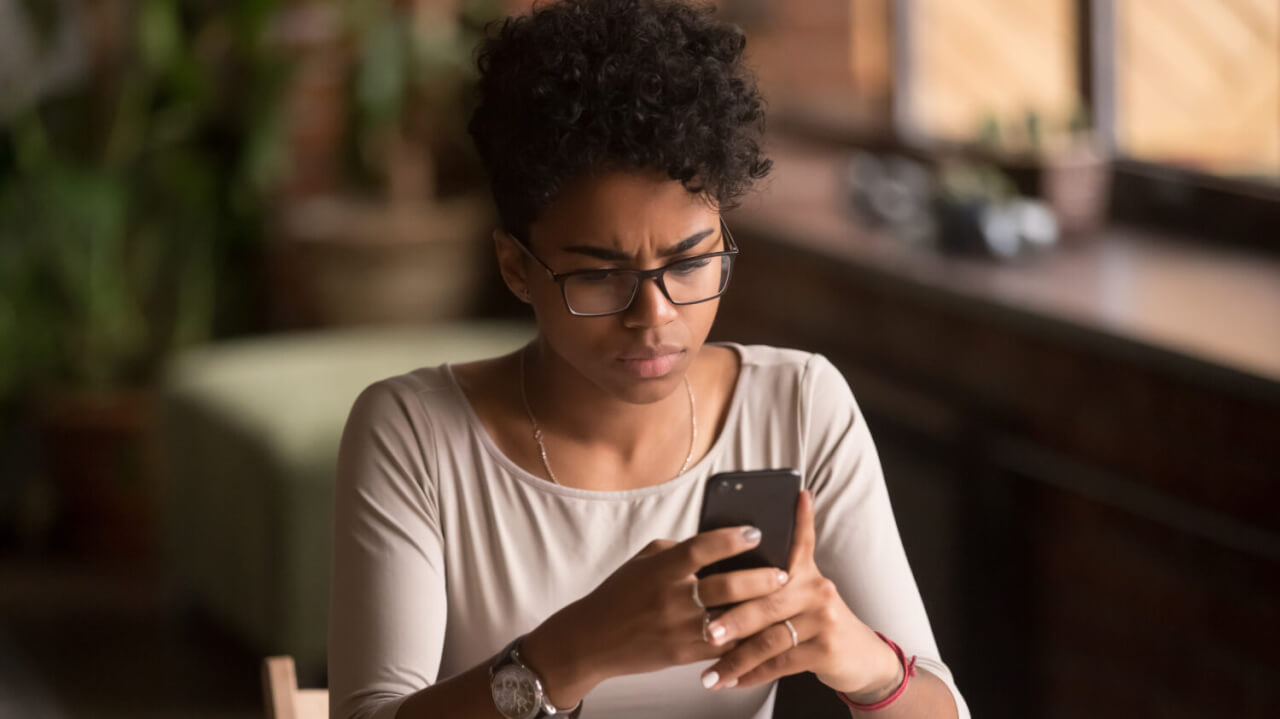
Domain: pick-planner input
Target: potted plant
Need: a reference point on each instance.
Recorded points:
(116, 218)
(978, 210)
(1061, 163)
(401, 239)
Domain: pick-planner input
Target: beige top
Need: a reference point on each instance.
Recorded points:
(444, 549)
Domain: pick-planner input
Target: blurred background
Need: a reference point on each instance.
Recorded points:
(1041, 238)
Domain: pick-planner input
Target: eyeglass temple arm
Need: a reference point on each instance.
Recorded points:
(529, 253)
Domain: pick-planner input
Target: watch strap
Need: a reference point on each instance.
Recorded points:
(511, 655)
(504, 657)
(550, 710)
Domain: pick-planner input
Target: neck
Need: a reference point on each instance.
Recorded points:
(575, 410)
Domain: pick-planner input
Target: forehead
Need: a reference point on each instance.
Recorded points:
(623, 208)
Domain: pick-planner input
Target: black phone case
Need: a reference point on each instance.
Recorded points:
(764, 499)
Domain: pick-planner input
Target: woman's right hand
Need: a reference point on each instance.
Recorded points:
(643, 618)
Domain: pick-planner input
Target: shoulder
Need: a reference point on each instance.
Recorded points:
(804, 388)
(482, 379)
(807, 395)
(776, 358)
(781, 369)
(401, 399)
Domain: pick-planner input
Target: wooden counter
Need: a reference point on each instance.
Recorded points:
(1083, 450)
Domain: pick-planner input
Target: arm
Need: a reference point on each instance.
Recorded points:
(926, 696)
(467, 694)
(641, 619)
(848, 577)
(388, 604)
(859, 549)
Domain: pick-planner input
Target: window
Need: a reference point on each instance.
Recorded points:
(1197, 84)
(991, 69)
(1193, 84)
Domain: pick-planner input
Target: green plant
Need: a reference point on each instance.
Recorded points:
(1033, 133)
(413, 67)
(124, 198)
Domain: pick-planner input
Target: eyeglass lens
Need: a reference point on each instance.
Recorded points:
(694, 280)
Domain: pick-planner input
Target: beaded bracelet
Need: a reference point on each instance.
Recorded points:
(908, 671)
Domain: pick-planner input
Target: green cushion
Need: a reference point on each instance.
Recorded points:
(250, 433)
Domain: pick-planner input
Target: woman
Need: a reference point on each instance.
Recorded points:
(516, 536)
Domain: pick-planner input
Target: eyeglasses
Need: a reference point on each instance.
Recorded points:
(687, 281)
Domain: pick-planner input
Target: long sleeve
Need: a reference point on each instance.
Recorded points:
(858, 546)
(387, 599)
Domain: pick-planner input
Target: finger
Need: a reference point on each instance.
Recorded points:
(755, 615)
(804, 539)
(696, 649)
(740, 586)
(654, 547)
(700, 651)
(772, 646)
(789, 662)
(706, 548)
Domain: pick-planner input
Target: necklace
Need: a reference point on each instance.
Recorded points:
(542, 449)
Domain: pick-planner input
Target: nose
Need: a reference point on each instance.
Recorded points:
(650, 308)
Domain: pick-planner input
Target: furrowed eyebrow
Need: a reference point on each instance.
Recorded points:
(611, 255)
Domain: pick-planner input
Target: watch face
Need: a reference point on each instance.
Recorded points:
(516, 692)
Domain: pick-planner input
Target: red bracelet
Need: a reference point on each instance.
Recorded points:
(908, 671)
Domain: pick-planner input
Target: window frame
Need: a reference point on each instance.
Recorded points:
(1145, 193)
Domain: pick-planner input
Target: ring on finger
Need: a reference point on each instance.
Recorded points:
(696, 599)
(706, 621)
(795, 638)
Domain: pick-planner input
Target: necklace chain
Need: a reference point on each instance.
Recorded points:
(542, 448)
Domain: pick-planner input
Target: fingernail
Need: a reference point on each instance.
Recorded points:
(716, 631)
(730, 684)
(709, 679)
(751, 534)
(782, 577)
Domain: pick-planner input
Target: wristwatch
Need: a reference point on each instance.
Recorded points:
(518, 691)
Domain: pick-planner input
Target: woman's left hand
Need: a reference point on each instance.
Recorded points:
(833, 643)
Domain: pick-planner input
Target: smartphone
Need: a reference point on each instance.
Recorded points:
(762, 498)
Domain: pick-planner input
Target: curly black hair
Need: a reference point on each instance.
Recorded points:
(581, 86)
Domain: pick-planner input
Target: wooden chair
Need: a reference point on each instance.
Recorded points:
(284, 699)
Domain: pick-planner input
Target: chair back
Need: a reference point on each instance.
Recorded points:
(284, 699)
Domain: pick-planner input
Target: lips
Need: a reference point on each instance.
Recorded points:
(650, 352)
(651, 361)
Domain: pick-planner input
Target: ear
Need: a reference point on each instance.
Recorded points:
(512, 264)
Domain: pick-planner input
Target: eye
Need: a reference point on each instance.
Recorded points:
(689, 266)
(596, 277)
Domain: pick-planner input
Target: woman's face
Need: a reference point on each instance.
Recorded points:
(621, 220)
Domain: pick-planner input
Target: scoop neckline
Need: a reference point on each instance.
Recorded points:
(520, 473)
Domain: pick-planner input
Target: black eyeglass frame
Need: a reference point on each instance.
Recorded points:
(658, 274)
